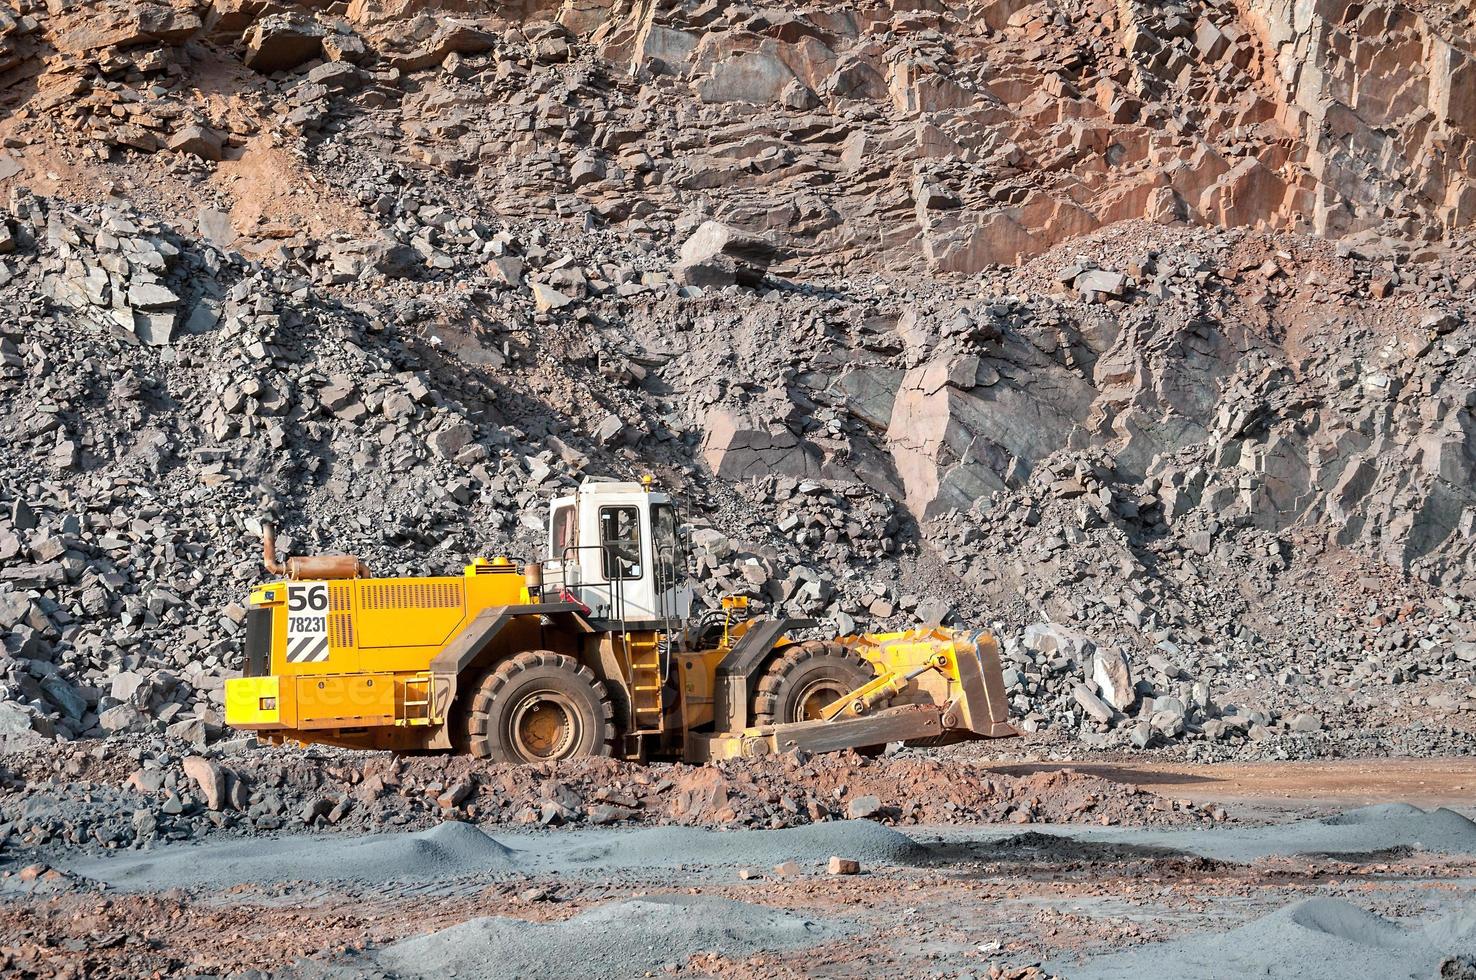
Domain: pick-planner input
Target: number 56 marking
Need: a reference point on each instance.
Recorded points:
(311, 597)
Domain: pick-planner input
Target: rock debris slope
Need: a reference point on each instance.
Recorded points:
(1141, 332)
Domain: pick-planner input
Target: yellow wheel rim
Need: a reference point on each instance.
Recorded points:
(545, 725)
(815, 697)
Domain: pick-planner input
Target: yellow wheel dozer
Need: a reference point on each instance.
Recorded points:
(590, 652)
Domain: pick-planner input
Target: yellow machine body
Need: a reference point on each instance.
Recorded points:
(362, 662)
(397, 663)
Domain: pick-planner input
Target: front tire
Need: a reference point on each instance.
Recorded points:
(540, 706)
(806, 678)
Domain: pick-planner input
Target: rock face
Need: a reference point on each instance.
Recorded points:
(1282, 73)
(1152, 323)
(955, 439)
(1376, 91)
(940, 139)
(737, 451)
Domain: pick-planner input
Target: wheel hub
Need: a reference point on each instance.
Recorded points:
(814, 698)
(545, 725)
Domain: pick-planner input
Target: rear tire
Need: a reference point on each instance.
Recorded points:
(537, 707)
(806, 678)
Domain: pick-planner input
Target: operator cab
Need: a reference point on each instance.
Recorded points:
(615, 548)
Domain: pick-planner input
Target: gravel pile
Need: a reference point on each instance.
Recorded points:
(618, 939)
(1315, 938)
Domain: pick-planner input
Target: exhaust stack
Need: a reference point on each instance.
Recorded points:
(316, 567)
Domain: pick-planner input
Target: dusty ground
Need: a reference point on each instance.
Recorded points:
(1291, 786)
(944, 901)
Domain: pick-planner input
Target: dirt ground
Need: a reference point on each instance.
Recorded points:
(942, 901)
(1294, 786)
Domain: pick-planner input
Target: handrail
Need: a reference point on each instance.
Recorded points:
(665, 559)
(615, 587)
(616, 590)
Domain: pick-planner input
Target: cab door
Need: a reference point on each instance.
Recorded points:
(622, 562)
(669, 563)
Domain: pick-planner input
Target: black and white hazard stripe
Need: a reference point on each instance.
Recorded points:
(307, 650)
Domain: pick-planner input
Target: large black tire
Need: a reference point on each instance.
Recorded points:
(540, 706)
(804, 679)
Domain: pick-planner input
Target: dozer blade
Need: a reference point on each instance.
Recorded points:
(984, 708)
(953, 681)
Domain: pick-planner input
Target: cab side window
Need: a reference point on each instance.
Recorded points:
(620, 542)
(664, 541)
(562, 535)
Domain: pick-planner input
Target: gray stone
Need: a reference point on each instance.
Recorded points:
(1100, 282)
(798, 96)
(14, 719)
(506, 269)
(23, 516)
(203, 318)
(315, 809)
(1052, 639)
(586, 170)
(547, 299)
(1113, 676)
(450, 440)
(154, 329)
(345, 47)
(151, 297)
(191, 730)
(282, 41)
(209, 777)
(1091, 704)
(718, 254)
(122, 718)
(199, 141)
(15, 607)
(1170, 705)
(607, 813)
(216, 228)
(933, 611)
(1170, 724)
(610, 430)
(126, 684)
(66, 697)
(1306, 723)
(336, 76)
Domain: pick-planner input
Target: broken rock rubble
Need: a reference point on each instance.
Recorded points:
(93, 799)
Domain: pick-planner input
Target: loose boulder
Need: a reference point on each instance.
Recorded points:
(282, 42)
(718, 254)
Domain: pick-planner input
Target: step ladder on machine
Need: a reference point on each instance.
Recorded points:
(643, 652)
